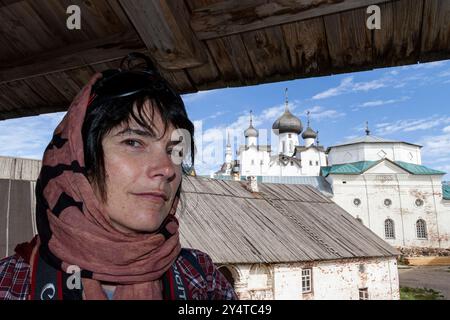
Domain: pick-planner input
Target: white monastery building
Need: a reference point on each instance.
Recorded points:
(380, 182)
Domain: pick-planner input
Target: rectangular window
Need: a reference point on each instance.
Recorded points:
(306, 280)
(317, 163)
(310, 162)
(253, 162)
(289, 135)
(363, 294)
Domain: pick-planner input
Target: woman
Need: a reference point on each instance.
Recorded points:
(106, 200)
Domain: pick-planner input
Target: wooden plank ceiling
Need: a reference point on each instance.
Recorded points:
(206, 44)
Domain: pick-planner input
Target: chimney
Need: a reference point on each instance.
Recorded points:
(252, 184)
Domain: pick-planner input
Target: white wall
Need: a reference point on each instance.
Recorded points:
(247, 167)
(374, 152)
(373, 187)
(317, 158)
(331, 280)
(312, 160)
(290, 141)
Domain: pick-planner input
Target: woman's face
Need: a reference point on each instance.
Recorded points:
(141, 178)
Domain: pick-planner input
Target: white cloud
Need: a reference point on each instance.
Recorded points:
(445, 168)
(214, 115)
(436, 152)
(366, 86)
(274, 112)
(347, 138)
(393, 72)
(440, 160)
(193, 97)
(409, 125)
(29, 136)
(378, 103)
(444, 74)
(347, 86)
(319, 113)
(343, 87)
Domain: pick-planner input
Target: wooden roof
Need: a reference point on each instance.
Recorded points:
(205, 44)
(281, 223)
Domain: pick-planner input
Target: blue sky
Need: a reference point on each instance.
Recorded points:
(410, 103)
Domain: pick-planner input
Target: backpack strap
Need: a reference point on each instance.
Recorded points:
(49, 283)
(175, 285)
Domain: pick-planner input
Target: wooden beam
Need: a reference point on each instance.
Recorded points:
(35, 111)
(71, 57)
(237, 16)
(435, 31)
(164, 27)
(4, 3)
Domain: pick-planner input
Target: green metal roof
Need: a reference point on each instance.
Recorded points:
(362, 166)
(446, 191)
(348, 168)
(417, 169)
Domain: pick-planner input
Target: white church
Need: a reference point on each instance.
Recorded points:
(381, 183)
(292, 159)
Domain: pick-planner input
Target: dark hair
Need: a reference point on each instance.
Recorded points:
(102, 116)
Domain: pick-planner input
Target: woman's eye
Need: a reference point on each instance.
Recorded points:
(132, 143)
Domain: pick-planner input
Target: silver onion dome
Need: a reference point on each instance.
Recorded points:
(309, 133)
(287, 123)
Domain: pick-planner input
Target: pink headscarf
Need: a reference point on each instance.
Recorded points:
(74, 228)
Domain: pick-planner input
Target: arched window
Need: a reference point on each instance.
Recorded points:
(228, 275)
(421, 229)
(389, 232)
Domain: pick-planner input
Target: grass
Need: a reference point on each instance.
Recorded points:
(407, 293)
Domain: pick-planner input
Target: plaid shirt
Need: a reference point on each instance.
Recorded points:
(15, 276)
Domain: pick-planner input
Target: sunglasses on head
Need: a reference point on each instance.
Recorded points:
(137, 76)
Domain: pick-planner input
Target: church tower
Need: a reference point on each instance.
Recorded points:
(251, 134)
(309, 135)
(228, 154)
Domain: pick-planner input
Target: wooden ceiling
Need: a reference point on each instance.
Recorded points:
(206, 44)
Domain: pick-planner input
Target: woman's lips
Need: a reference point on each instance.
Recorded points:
(152, 196)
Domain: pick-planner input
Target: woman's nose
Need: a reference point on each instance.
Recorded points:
(160, 165)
